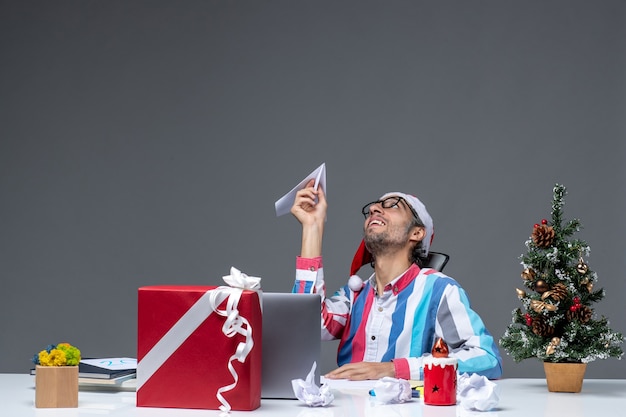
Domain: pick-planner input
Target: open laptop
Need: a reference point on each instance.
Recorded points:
(291, 341)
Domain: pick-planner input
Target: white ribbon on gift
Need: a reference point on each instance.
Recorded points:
(206, 305)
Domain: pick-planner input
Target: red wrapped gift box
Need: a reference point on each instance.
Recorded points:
(183, 354)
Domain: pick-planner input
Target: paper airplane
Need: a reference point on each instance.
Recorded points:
(284, 204)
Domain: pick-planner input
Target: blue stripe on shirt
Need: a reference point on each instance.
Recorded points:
(308, 287)
(397, 322)
(344, 354)
(426, 313)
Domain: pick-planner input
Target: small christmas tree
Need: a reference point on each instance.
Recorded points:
(559, 324)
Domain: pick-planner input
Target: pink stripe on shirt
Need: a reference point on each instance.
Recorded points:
(359, 342)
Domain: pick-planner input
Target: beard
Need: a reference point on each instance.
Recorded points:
(388, 241)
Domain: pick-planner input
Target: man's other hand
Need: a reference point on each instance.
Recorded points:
(360, 371)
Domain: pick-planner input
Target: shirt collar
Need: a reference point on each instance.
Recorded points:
(399, 283)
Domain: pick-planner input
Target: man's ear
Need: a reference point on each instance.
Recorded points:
(417, 234)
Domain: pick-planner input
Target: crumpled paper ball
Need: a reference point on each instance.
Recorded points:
(476, 392)
(388, 390)
(309, 393)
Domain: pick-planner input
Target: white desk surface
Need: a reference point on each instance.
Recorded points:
(518, 397)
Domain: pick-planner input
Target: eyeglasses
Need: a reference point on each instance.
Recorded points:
(387, 203)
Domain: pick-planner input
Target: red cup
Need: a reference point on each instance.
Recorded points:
(440, 381)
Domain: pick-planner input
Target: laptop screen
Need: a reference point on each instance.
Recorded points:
(291, 341)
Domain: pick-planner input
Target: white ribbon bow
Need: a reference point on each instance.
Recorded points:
(234, 323)
(238, 279)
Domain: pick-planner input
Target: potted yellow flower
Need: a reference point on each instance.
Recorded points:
(56, 376)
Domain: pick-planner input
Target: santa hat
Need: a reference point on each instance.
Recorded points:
(363, 256)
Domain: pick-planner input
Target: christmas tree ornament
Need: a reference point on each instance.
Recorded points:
(582, 267)
(554, 342)
(581, 313)
(541, 286)
(520, 293)
(543, 236)
(540, 306)
(528, 274)
(529, 319)
(542, 328)
(558, 292)
(586, 282)
(585, 314)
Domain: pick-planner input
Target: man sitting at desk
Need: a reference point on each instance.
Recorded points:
(387, 323)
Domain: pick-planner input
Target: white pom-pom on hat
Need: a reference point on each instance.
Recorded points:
(355, 283)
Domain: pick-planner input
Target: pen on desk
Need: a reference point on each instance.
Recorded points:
(415, 392)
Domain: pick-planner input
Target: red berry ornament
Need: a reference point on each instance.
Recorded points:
(529, 320)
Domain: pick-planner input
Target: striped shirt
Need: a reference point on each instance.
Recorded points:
(402, 323)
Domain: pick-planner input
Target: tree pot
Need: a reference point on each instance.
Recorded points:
(56, 386)
(564, 377)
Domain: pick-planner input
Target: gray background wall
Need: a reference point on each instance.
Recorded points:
(145, 142)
